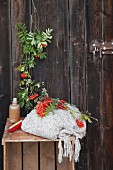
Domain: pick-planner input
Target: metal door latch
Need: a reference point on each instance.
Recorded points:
(104, 48)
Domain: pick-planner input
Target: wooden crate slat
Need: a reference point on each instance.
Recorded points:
(15, 156)
(6, 156)
(30, 156)
(47, 156)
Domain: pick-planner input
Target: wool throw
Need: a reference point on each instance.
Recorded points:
(58, 124)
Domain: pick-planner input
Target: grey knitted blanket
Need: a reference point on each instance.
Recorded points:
(58, 124)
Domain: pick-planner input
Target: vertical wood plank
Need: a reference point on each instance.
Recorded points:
(54, 71)
(30, 155)
(20, 12)
(6, 155)
(4, 68)
(107, 116)
(15, 156)
(108, 20)
(5, 158)
(107, 91)
(94, 82)
(78, 55)
(77, 39)
(47, 156)
(4, 60)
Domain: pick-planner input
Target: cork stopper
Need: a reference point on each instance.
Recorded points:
(14, 101)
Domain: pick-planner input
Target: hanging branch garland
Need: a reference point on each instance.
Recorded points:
(33, 45)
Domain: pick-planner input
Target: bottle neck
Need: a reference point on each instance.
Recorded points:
(14, 103)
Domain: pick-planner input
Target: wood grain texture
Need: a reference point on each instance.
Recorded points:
(106, 126)
(78, 55)
(15, 156)
(77, 39)
(4, 68)
(30, 155)
(47, 156)
(20, 12)
(95, 83)
(4, 60)
(54, 71)
(93, 132)
(108, 20)
(94, 12)
(6, 154)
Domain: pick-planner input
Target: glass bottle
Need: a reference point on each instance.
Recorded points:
(14, 111)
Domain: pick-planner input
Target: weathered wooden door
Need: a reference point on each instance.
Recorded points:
(100, 87)
(70, 72)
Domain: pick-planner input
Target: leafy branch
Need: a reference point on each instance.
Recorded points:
(84, 116)
(33, 45)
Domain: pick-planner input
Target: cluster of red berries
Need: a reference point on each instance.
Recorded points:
(45, 103)
(34, 96)
(23, 75)
(79, 123)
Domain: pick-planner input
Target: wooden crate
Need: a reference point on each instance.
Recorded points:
(23, 151)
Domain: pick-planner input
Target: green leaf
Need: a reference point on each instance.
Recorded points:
(30, 35)
(33, 42)
(22, 83)
(28, 105)
(39, 45)
(86, 117)
(21, 68)
(22, 103)
(43, 55)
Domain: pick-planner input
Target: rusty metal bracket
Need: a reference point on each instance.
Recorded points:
(104, 48)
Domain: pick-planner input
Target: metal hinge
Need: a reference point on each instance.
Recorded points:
(104, 48)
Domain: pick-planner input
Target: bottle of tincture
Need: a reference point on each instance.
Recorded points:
(14, 111)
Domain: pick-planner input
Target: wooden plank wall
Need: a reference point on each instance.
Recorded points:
(70, 71)
(4, 67)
